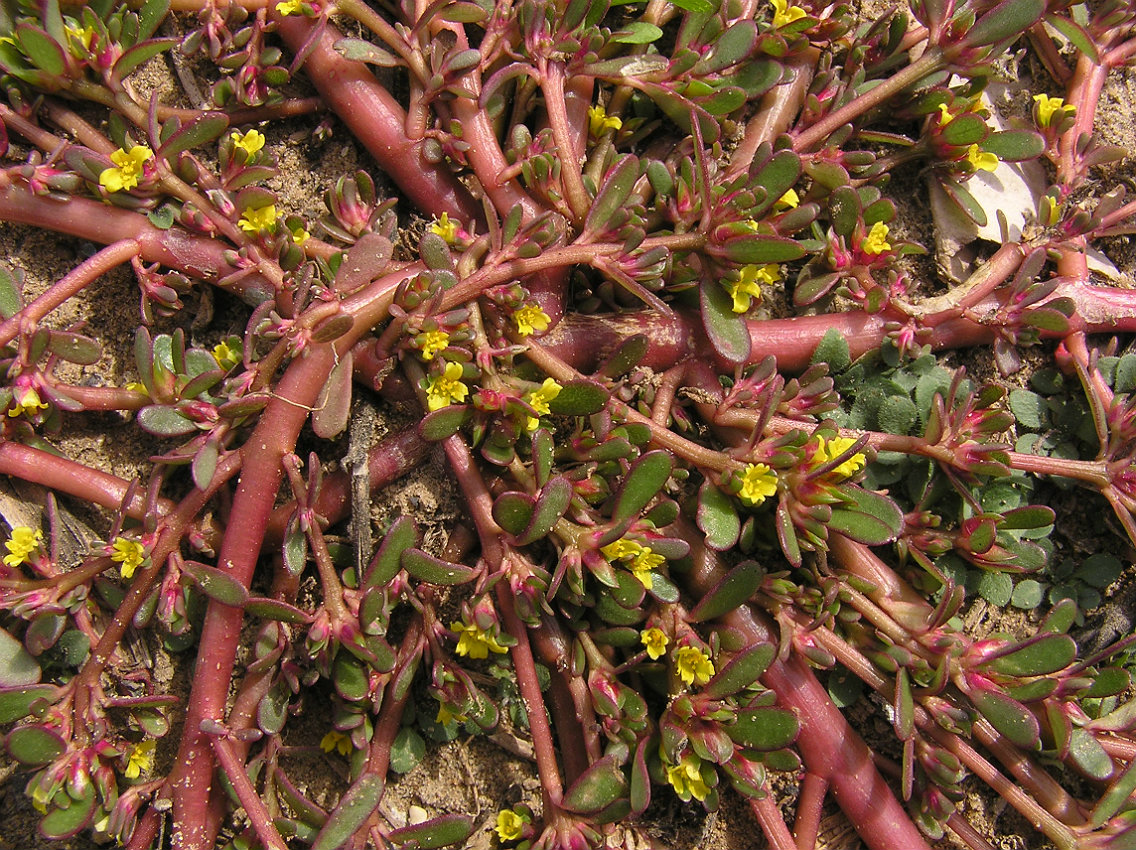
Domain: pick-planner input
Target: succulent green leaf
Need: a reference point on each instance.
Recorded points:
(164, 421)
(216, 584)
(513, 511)
(742, 671)
(1076, 35)
(579, 398)
(388, 560)
(764, 729)
(643, 482)
(702, 7)
(1089, 756)
(433, 570)
(202, 130)
(1038, 656)
(150, 17)
(1114, 798)
(1109, 681)
(407, 751)
(333, 408)
(553, 501)
(1009, 717)
(717, 517)
(612, 194)
(761, 248)
(637, 32)
(17, 702)
(872, 519)
(295, 548)
(140, 54)
(74, 348)
(965, 201)
(1014, 145)
(626, 356)
(727, 330)
(59, 824)
(845, 210)
(34, 745)
(358, 804)
(966, 129)
(1060, 617)
(273, 609)
(597, 788)
(358, 50)
(732, 46)
(435, 832)
(41, 48)
(1008, 19)
(445, 422)
(734, 589)
(724, 100)
(272, 710)
(17, 667)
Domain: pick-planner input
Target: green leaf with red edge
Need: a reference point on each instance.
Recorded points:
(1087, 754)
(1076, 34)
(1015, 145)
(360, 50)
(74, 348)
(401, 535)
(274, 609)
(734, 589)
(164, 421)
(1046, 319)
(579, 398)
(1038, 656)
(435, 832)
(845, 210)
(358, 804)
(742, 671)
(139, 54)
(643, 482)
(964, 130)
(717, 517)
(727, 330)
(965, 201)
(1009, 717)
(198, 132)
(216, 584)
(513, 510)
(445, 422)
(34, 745)
(59, 824)
(760, 248)
(764, 729)
(871, 518)
(1008, 19)
(597, 788)
(427, 568)
(18, 702)
(43, 50)
(731, 47)
(550, 505)
(17, 667)
(613, 193)
(787, 535)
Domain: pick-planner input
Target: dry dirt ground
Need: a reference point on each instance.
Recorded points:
(477, 775)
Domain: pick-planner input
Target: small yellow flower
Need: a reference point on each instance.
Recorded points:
(129, 554)
(759, 482)
(137, 387)
(530, 319)
(21, 545)
(644, 563)
(250, 142)
(621, 548)
(299, 235)
(259, 219)
(748, 285)
(538, 400)
(26, 400)
(832, 449)
(876, 240)
(82, 36)
(124, 176)
(599, 122)
(445, 228)
(510, 825)
(784, 14)
(447, 388)
(335, 740)
(686, 778)
(1050, 107)
(945, 116)
(790, 200)
(694, 665)
(474, 642)
(1050, 213)
(432, 342)
(290, 7)
(981, 160)
(445, 716)
(141, 758)
(228, 353)
(655, 640)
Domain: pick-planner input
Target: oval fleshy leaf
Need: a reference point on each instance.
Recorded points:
(717, 517)
(59, 824)
(436, 832)
(643, 482)
(764, 729)
(1009, 717)
(16, 703)
(360, 801)
(433, 570)
(17, 666)
(1038, 657)
(735, 589)
(216, 584)
(34, 745)
(445, 422)
(551, 504)
(513, 511)
(388, 560)
(597, 788)
(742, 671)
(727, 330)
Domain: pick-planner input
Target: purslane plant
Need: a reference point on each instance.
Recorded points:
(685, 522)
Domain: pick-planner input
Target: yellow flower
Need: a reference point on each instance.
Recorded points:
(474, 642)
(832, 449)
(141, 758)
(784, 14)
(23, 542)
(129, 553)
(25, 400)
(250, 142)
(290, 7)
(599, 122)
(694, 665)
(748, 285)
(256, 220)
(445, 228)
(80, 35)
(445, 716)
(129, 168)
(1050, 213)
(655, 640)
(510, 825)
(137, 387)
(538, 400)
(980, 159)
(335, 740)
(686, 778)
(759, 482)
(530, 319)
(945, 116)
(790, 200)
(620, 548)
(1049, 107)
(227, 354)
(432, 342)
(876, 240)
(447, 388)
(644, 562)
(299, 235)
